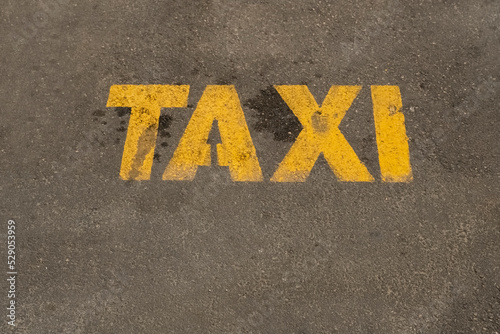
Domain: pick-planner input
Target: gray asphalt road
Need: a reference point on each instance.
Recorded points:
(98, 254)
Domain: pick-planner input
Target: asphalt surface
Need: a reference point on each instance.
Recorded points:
(97, 254)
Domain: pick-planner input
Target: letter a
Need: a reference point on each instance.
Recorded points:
(237, 151)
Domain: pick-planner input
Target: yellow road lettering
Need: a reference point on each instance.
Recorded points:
(146, 102)
(236, 149)
(320, 134)
(392, 142)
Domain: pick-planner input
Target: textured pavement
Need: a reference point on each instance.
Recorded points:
(97, 254)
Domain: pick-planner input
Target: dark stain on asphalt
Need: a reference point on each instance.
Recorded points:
(274, 115)
(99, 113)
(163, 125)
(122, 111)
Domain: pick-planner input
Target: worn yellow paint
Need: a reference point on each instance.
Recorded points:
(237, 151)
(320, 134)
(392, 142)
(146, 102)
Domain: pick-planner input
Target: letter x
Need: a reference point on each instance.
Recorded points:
(320, 134)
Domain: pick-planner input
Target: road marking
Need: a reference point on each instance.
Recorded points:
(146, 102)
(392, 142)
(237, 151)
(320, 134)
